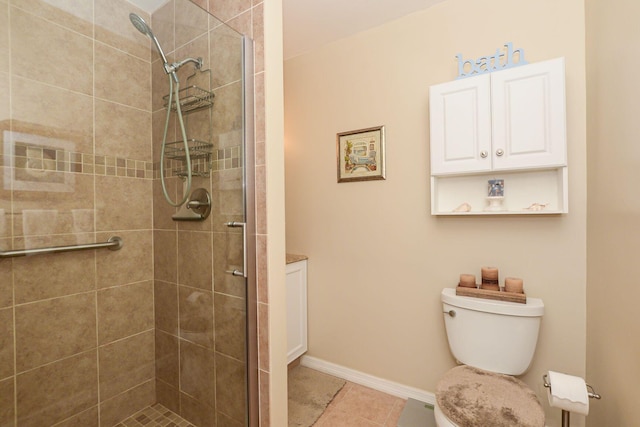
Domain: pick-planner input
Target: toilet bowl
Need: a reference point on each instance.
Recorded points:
(493, 341)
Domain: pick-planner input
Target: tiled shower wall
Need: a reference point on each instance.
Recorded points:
(76, 329)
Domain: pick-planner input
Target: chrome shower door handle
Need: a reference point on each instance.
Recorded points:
(236, 224)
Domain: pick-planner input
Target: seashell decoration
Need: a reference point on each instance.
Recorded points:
(537, 207)
(465, 207)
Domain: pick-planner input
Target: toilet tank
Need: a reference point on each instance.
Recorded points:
(496, 336)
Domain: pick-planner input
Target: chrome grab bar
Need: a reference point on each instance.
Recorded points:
(114, 243)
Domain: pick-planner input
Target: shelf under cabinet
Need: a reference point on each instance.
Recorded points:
(522, 189)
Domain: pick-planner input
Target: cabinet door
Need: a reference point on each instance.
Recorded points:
(296, 283)
(528, 108)
(460, 121)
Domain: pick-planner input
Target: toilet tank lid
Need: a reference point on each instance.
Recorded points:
(533, 308)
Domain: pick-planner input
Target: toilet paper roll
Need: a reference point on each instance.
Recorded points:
(568, 392)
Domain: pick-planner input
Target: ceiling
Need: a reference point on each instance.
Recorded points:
(309, 24)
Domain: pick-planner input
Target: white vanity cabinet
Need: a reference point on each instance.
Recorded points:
(296, 283)
(499, 125)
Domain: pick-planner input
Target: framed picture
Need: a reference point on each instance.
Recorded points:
(360, 155)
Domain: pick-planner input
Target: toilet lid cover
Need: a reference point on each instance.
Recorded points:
(471, 397)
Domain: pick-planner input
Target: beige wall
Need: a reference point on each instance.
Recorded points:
(377, 258)
(613, 348)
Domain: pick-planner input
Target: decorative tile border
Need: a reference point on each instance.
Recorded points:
(42, 158)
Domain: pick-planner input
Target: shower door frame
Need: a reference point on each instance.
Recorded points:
(248, 95)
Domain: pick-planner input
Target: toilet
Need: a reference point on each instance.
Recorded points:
(493, 341)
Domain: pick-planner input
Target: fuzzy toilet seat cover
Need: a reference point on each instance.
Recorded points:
(472, 397)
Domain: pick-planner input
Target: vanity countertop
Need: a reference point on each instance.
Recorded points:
(291, 258)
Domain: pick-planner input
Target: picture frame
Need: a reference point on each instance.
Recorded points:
(360, 155)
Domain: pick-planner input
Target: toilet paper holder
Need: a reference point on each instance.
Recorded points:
(566, 414)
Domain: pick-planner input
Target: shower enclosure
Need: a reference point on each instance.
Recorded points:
(166, 324)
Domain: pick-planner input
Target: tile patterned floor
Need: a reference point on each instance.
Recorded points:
(155, 416)
(358, 406)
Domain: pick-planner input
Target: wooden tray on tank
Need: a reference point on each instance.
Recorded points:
(495, 295)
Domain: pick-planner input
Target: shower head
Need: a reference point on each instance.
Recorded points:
(140, 24)
(144, 28)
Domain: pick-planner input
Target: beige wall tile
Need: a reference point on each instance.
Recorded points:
(258, 37)
(165, 256)
(77, 16)
(263, 337)
(43, 51)
(163, 27)
(162, 211)
(126, 364)
(88, 418)
(196, 412)
(6, 343)
(197, 372)
(194, 259)
(261, 266)
(167, 358)
(114, 28)
(6, 280)
(242, 23)
(124, 311)
(132, 263)
(231, 325)
(260, 108)
(130, 138)
(38, 210)
(122, 78)
(227, 199)
(4, 36)
(52, 329)
(191, 23)
(57, 391)
(196, 315)
(124, 405)
(123, 203)
(168, 396)
(166, 307)
(224, 420)
(227, 109)
(264, 380)
(49, 112)
(7, 403)
(261, 199)
(227, 256)
(230, 387)
(5, 206)
(160, 87)
(53, 275)
(226, 10)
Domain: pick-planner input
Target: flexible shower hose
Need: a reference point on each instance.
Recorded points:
(187, 190)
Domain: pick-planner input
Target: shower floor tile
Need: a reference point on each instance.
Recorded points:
(155, 416)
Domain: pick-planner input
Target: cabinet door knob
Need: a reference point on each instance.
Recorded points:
(484, 154)
(499, 152)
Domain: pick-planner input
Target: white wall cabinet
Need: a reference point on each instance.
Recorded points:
(493, 125)
(296, 282)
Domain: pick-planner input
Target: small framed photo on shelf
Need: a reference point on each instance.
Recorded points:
(360, 155)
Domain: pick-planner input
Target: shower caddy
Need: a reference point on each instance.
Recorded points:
(193, 98)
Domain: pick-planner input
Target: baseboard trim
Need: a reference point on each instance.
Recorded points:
(376, 383)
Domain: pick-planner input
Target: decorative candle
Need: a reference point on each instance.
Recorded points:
(513, 284)
(468, 280)
(489, 275)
